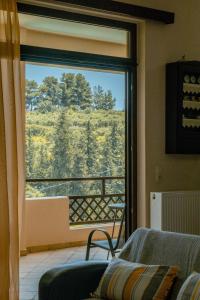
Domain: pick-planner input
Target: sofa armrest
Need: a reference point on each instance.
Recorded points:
(72, 281)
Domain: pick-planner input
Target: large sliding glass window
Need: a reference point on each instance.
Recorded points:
(80, 113)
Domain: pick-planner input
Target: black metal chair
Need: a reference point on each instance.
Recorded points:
(110, 244)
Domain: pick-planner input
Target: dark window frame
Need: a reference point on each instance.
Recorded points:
(128, 65)
(137, 11)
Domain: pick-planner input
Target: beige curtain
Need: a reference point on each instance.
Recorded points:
(11, 150)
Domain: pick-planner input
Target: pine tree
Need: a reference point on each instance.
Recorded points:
(61, 152)
(98, 97)
(49, 94)
(117, 149)
(29, 154)
(79, 167)
(44, 163)
(83, 92)
(106, 159)
(103, 100)
(67, 86)
(91, 148)
(114, 135)
(109, 101)
(31, 94)
(117, 156)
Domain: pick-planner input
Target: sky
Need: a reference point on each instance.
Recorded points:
(113, 81)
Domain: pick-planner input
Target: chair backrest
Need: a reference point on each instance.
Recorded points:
(121, 233)
(150, 246)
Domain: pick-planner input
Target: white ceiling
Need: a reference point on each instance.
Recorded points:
(73, 29)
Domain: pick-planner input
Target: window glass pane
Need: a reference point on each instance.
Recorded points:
(73, 36)
(75, 129)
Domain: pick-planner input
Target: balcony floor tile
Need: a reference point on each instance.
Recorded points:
(34, 265)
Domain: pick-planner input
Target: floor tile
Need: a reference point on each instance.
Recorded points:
(34, 265)
(27, 296)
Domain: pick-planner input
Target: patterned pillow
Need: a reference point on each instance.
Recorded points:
(132, 281)
(190, 289)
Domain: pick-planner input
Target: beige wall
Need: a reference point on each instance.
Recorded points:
(47, 225)
(158, 45)
(42, 39)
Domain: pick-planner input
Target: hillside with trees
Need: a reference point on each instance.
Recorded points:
(72, 130)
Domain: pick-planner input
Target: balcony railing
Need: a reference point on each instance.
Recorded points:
(87, 208)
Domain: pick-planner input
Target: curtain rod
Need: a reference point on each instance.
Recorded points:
(126, 9)
(107, 6)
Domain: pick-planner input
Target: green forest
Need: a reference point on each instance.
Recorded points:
(72, 130)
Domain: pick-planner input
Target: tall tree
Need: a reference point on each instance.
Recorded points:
(49, 94)
(79, 168)
(83, 93)
(91, 150)
(61, 153)
(117, 149)
(44, 163)
(67, 86)
(109, 101)
(106, 159)
(103, 100)
(117, 155)
(29, 153)
(31, 94)
(98, 97)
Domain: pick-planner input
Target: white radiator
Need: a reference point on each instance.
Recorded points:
(176, 211)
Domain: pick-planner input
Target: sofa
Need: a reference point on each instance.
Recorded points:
(147, 246)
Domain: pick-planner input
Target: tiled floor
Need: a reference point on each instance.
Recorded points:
(34, 265)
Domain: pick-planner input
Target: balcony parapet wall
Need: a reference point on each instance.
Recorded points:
(47, 225)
